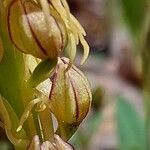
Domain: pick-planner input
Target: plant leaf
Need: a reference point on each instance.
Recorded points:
(131, 130)
(11, 70)
(134, 13)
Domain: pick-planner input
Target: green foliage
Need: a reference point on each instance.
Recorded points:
(131, 129)
(83, 136)
(5, 145)
(11, 85)
(134, 13)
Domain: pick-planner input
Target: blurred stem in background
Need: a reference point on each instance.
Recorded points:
(146, 84)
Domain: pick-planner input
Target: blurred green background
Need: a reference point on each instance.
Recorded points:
(116, 32)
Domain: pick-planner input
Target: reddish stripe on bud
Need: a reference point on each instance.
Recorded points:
(8, 23)
(29, 31)
(33, 34)
(76, 99)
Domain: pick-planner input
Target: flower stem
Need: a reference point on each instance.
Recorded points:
(47, 125)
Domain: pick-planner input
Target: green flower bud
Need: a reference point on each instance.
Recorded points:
(33, 32)
(70, 97)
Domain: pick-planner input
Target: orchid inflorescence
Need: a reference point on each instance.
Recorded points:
(46, 29)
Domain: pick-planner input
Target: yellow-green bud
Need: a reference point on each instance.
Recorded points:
(33, 32)
(44, 28)
(70, 97)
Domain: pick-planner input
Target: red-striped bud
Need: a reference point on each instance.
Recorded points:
(70, 97)
(44, 28)
(32, 32)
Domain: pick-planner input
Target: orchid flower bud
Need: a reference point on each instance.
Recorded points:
(32, 32)
(58, 144)
(70, 98)
(61, 145)
(44, 28)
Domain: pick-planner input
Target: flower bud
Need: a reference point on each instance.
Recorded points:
(70, 97)
(44, 28)
(58, 144)
(32, 32)
(61, 145)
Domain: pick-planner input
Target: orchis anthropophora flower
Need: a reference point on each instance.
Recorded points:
(70, 97)
(45, 28)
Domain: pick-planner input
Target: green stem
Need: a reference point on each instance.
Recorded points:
(47, 125)
(146, 87)
(146, 82)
